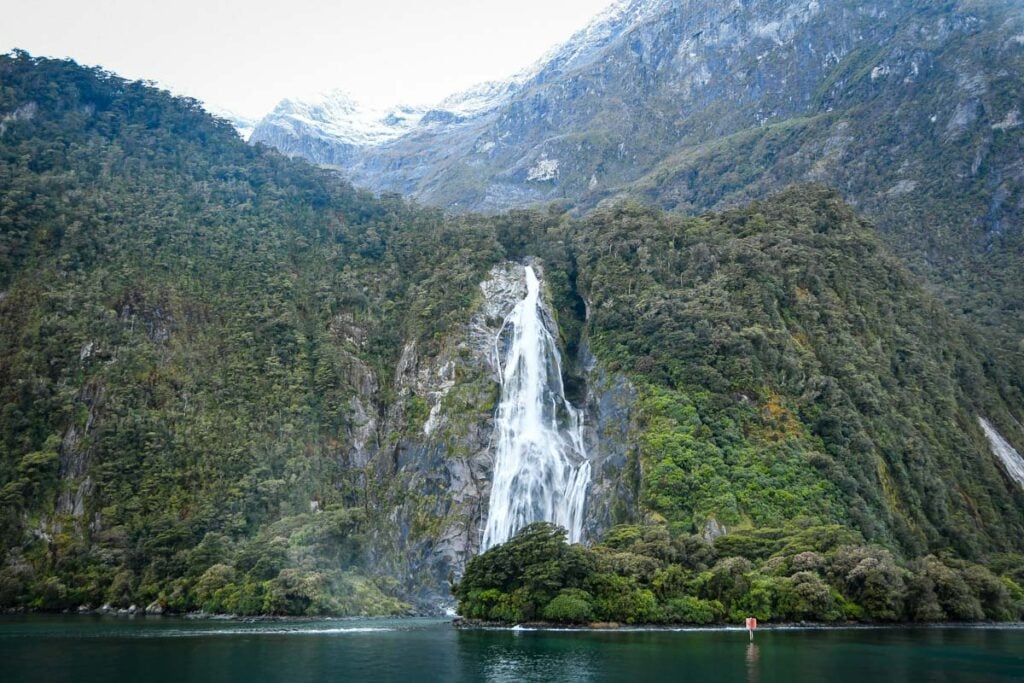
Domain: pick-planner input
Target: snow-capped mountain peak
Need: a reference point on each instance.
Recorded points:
(586, 45)
(338, 115)
(478, 99)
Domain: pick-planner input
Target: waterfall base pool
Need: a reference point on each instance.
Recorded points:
(78, 648)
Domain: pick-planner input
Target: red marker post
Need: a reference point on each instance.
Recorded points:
(751, 626)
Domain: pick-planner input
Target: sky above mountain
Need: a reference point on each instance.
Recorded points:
(244, 57)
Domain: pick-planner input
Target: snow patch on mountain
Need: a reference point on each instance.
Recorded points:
(545, 169)
(587, 44)
(338, 116)
(245, 125)
(479, 99)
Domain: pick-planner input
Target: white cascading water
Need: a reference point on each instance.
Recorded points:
(1011, 459)
(541, 472)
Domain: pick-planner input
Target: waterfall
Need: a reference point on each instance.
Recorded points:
(541, 472)
(1011, 459)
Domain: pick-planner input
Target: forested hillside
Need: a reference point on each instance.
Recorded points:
(184, 321)
(789, 366)
(229, 381)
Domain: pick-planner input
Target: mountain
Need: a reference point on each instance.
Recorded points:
(333, 129)
(329, 128)
(229, 381)
(651, 83)
(327, 140)
(910, 108)
(245, 125)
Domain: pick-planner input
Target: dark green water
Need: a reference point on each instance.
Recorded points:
(50, 648)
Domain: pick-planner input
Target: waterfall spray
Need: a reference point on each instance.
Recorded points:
(541, 472)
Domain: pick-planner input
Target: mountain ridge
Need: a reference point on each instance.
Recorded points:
(459, 107)
(911, 109)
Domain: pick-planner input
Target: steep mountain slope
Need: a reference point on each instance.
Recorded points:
(650, 79)
(230, 381)
(911, 108)
(334, 130)
(198, 341)
(781, 355)
(416, 162)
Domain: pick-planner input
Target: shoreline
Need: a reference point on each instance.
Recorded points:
(479, 625)
(459, 623)
(129, 613)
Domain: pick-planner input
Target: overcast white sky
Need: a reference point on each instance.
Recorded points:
(245, 56)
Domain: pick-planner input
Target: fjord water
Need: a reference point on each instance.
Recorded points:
(541, 471)
(74, 648)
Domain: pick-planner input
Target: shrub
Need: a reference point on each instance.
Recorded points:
(805, 596)
(51, 594)
(209, 589)
(12, 584)
(673, 581)
(691, 610)
(808, 561)
(955, 596)
(121, 588)
(870, 577)
(759, 601)
(728, 579)
(991, 592)
(922, 601)
(571, 606)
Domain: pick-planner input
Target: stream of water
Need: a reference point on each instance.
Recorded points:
(541, 472)
(1011, 459)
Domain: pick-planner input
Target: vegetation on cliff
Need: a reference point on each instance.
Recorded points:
(184, 323)
(791, 368)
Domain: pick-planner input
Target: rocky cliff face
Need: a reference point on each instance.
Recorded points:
(433, 450)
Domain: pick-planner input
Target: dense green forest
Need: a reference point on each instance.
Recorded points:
(789, 366)
(184, 319)
(192, 328)
(642, 575)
